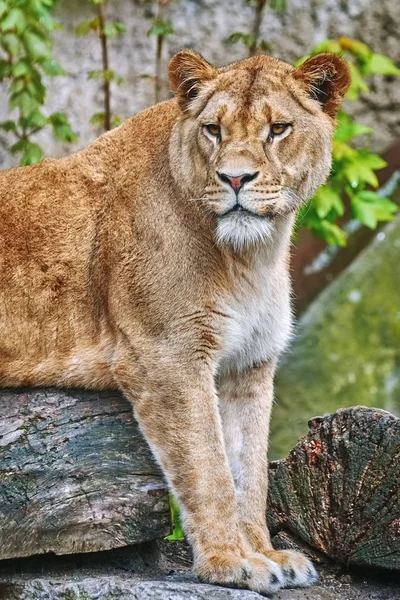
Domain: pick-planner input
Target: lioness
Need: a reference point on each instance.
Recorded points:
(156, 261)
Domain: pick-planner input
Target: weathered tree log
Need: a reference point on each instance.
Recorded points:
(339, 489)
(75, 474)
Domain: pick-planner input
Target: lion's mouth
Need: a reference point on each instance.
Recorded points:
(238, 208)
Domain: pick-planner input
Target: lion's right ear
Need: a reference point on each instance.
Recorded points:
(187, 71)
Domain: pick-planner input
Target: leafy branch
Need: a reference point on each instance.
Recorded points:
(104, 31)
(353, 178)
(25, 57)
(253, 41)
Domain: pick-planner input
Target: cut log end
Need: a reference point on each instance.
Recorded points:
(339, 489)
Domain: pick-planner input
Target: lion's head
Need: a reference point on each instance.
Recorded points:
(254, 139)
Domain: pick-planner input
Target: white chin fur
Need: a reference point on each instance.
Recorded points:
(242, 230)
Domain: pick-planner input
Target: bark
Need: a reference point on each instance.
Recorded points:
(75, 474)
(338, 491)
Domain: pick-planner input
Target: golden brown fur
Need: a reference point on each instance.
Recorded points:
(134, 264)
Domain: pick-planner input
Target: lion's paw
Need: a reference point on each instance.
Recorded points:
(297, 569)
(254, 571)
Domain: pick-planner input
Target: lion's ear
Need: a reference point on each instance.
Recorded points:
(327, 77)
(187, 71)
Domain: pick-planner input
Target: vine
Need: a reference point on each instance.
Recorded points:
(25, 58)
(104, 31)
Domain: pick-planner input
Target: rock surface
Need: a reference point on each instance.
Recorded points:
(338, 491)
(160, 571)
(204, 25)
(117, 588)
(347, 348)
(75, 474)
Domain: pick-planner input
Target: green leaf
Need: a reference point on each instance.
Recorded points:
(5, 69)
(347, 129)
(332, 234)
(23, 101)
(96, 74)
(98, 119)
(357, 83)
(278, 5)
(86, 26)
(113, 29)
(382, 65)
(33, 120)
(370, 208)
(177, 531)
(21, 69)
(36, 47)
(246, 38)
(116, 121)
(160, 28)
(340, 150)
(3, 8)
(61, 128)
(14, 21)
(328, 46)
(32, 154)
(355, 47)
(373, 161)
(10, 43)
(52, 68)
(327, 199)
(357, 174)
(8, 126)
(36, 89)
(107, 75)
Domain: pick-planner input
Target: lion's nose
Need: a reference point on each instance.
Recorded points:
(237, 181)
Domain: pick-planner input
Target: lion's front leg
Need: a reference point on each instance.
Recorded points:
(245, 401)
(177, 409)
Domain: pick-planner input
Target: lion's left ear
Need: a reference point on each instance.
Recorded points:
(187, 71)
(327, 77)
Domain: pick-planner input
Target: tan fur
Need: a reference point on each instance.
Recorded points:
(121, 266)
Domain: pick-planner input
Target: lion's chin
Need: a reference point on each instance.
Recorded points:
(243, 230)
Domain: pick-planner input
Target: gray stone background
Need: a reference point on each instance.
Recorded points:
(203, 25)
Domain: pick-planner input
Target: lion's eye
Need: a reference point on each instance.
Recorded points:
(214, 130)
(278, 128)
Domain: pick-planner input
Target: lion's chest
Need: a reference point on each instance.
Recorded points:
(258, 322)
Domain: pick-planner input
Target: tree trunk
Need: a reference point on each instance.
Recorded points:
(75, 474)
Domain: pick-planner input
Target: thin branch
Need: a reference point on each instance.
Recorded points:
(255, 34)
(104, 54)
(162, 6)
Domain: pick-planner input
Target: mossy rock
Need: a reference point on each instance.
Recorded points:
(347, 348)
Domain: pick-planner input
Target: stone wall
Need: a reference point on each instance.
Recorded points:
(203, 25)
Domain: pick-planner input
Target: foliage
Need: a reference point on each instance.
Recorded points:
(177, 531)
(25, 57)
(104, 31)
(253, 41)
(353, 171)
(160, 28)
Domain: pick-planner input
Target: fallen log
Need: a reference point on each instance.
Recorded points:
(75, 474)
(338, 491)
